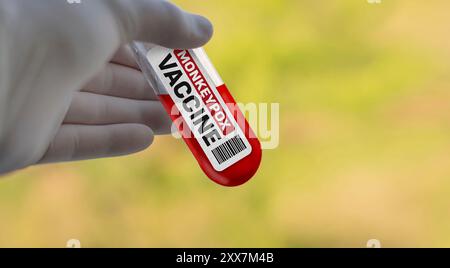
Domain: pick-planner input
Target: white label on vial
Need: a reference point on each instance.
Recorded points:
(201, 106)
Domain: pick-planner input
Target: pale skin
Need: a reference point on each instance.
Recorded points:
(70, 89)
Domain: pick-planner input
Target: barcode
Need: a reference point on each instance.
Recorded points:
(229, 149)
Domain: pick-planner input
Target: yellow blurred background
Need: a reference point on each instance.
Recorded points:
(364, 93)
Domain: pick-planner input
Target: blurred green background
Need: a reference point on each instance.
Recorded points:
(364, 92)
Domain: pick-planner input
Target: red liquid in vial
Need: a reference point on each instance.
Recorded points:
(238, 173)
(204, 111)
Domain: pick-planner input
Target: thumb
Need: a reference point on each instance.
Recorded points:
(160, 22)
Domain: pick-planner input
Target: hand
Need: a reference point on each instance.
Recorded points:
(116, 113)
(50, 49)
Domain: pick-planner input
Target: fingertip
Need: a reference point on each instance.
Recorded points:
(132, 138)
(205, 29)
(162, 23)
(182, 29)
(143, 137)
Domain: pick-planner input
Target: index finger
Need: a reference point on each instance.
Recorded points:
(162, 23)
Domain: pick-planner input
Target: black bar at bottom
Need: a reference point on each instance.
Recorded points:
(222, 257)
